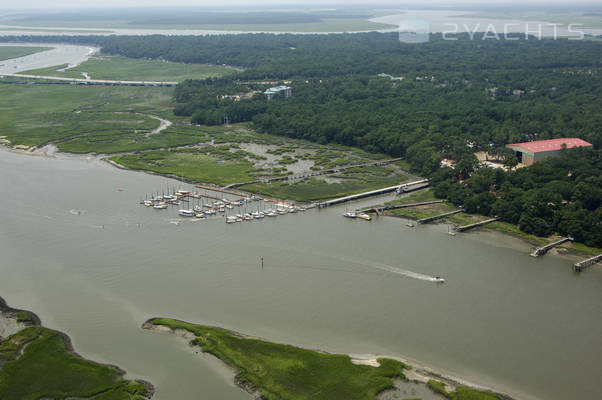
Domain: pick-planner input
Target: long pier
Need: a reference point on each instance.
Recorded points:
(358, 196)
(379, 210)
(412, 186)
(467, 227)
(82, 81)
(436, 217)
(219, 190)
(371, 193)
(540, 251)
(580, 266)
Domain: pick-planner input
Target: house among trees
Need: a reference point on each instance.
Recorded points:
(287, 91)
(529, 152)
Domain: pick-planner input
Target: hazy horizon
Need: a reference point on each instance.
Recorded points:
(42, 5)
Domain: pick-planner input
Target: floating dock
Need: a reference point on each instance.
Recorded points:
(580, 266)
(540, 251)
(468, 227)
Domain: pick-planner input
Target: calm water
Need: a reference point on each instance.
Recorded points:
(59, 54)
(526, 326)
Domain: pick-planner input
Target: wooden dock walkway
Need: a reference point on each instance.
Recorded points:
(436, 217)
(371, 193)
(379, 210)
(468, 227)
(580, 266)
(540, 251)
(220, 190)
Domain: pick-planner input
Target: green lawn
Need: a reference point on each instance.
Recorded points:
(8, 52)
(285, 372)
(122, 68)
(36, 364)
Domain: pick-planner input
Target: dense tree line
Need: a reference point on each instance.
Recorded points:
(424, 120)
(558, 195)
(288, 56)
(455, 97)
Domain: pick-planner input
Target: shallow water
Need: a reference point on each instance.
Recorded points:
(527, 326)
(58, 55)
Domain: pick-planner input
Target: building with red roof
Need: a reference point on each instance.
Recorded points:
(530, 152)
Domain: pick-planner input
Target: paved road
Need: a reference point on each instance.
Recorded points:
(82, 81)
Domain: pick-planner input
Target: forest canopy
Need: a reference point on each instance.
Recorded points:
(424, 102)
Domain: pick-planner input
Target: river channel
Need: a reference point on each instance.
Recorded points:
(528, 327)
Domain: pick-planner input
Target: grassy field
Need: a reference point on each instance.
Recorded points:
(315, 188)
(8, 52)
(122, 68)
(35, 363)
(31, 116)
(118, 121)
(290, 373)
(195, 167)
(286, 372)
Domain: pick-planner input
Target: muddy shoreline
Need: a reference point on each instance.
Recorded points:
(35, 321)
(417, 373)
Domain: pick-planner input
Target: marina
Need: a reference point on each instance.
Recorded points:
(205, 204)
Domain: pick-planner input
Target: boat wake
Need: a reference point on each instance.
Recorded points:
(403, 272)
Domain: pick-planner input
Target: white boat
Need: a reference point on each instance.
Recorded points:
(186, 213)
(365, 217)
(349, 214)
(438, 279)
(160, 206)
(231, 220)
(271, 214)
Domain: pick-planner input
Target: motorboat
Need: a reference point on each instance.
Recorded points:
(365, 217)
(349, 214)
(438, 279)
(186, 213)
